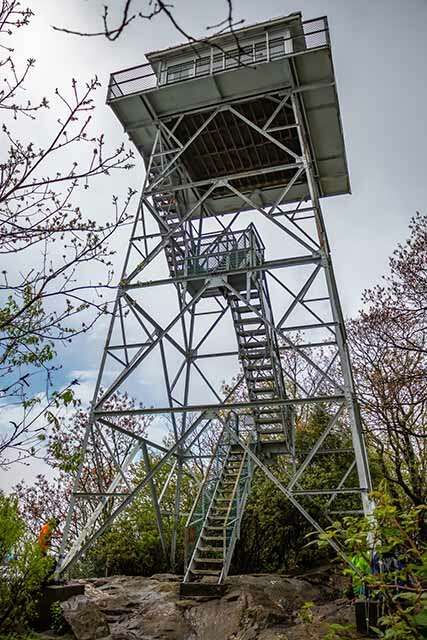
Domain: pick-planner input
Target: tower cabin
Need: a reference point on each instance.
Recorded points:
(248, 71)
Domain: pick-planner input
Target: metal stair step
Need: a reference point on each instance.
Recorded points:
(248, 309)
(255, 345)
(256, 320)
(205, 572)
(209, 560)
(254, 301)
(210, 548)
(269, 391)
(253, 332)
(271, 432)
(258, 367)
(255, 356)
(268, 414)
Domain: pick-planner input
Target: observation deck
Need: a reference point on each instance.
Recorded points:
(232, 253)
(247, 72)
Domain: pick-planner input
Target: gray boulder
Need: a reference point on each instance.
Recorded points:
(85, 619)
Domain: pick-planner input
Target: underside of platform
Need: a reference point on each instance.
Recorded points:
(228, 145)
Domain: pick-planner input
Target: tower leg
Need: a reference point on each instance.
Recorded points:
(349, 391)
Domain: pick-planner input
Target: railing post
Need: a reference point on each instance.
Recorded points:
(326, 26)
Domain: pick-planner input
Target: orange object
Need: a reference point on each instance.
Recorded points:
(45, 537)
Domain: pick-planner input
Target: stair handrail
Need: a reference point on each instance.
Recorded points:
(233, 495)
(206, 517)
(228, 550)
(205, 478)
(203, 518)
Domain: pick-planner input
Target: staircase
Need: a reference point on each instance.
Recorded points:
(167, 206)
(260, 358)
(213, 526)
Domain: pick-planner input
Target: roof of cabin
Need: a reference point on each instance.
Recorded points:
(154, 56)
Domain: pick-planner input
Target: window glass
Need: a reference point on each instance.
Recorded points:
(203, 66)
(180, 71)
(277, 47)
(218, 61)
(260, 51)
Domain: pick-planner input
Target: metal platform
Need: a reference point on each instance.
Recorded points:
(232, 253)
(248, 85)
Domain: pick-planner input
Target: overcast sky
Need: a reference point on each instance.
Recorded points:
(380, 53)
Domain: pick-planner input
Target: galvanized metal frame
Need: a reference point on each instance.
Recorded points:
(167, 181)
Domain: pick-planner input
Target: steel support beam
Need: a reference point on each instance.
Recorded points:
(276, 345)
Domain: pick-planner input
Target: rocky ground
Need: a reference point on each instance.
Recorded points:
(263, 607)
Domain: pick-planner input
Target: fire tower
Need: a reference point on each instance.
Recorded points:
(227, 277)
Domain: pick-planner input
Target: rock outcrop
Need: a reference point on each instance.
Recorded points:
(85, 619)
(264, 607)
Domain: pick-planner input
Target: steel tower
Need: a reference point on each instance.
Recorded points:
(228, 273)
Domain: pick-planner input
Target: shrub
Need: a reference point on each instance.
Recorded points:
(394, 536)
(22, 567)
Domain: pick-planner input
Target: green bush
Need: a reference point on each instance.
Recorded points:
(23, 569)
(59, 624)
(390, 532)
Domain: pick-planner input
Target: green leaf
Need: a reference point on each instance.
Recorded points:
(420, 618)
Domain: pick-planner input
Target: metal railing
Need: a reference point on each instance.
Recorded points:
(250, 52)
(204, 498)
(236, 509)
(225, 251)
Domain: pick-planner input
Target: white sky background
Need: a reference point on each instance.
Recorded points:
(380, 51)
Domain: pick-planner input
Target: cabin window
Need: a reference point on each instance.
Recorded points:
(249, 52)
(179, 72)
(203, 66)
(260, 51)
(218, 62)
